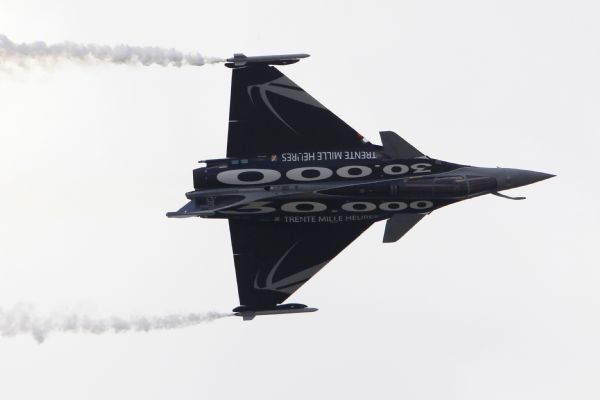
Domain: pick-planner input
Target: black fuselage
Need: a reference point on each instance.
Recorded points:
(330, 187)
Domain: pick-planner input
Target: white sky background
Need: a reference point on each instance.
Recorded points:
(486, 299)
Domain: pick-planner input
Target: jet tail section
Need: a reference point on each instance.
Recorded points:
(396, 147)
(203, 203)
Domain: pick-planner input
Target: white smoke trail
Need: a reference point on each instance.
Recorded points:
(23, 320)
(25, 54)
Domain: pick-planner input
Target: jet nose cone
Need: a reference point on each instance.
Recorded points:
(511, 178)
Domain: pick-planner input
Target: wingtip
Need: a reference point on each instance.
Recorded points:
(240, 60)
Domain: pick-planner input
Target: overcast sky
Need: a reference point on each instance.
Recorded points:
(486, 299)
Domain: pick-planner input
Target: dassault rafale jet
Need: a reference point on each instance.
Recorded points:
(298, 185)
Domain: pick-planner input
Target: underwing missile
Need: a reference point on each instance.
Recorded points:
(240, 60)
(248, 314)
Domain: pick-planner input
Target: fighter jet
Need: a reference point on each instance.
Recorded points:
(298, 185)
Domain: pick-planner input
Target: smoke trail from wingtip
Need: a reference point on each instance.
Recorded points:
(25, 54)
(23, 320)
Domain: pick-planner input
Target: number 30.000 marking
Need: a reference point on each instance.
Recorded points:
(260, 207)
